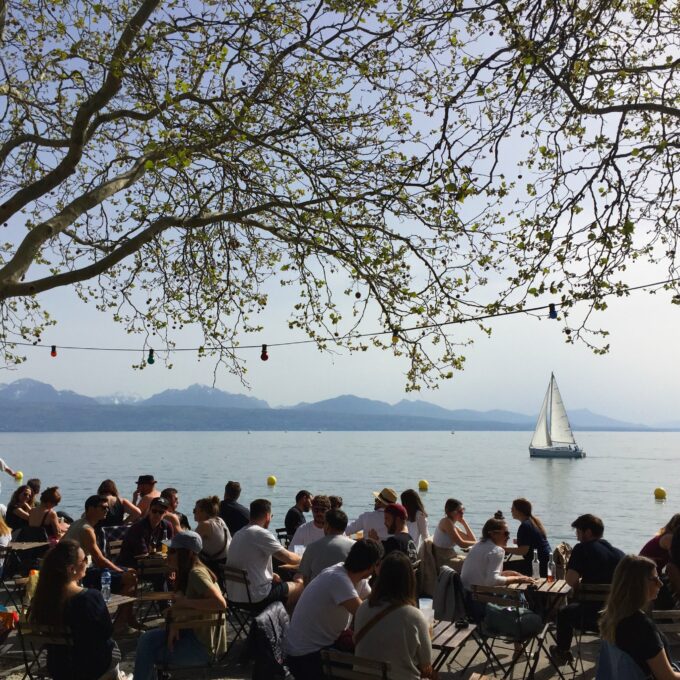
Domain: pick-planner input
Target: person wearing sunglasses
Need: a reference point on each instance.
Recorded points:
(146, 535)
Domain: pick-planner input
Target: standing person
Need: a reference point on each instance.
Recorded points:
(235, 515)
(417, 517)
(326, 607)
(19, 507)
(213, 532)
(197, 595)
(146, 535)
(593, 560)
(295, 516)
(452, 532)
(531, 536)
(179, 521)
(144, 493)
(121, 510)
(252, 549)
(312, 531)
(374, 519)
(625, 623)
(44, 515)
(398, 539)
(401, 635)
(59, 601)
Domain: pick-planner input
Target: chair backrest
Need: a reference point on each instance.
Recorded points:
(341, 666)
(113, 548)
(204, 621)
(282, 536)
(667, 620)
(505, 597)
(235, 575)
(33, 639)
(591, 592)
(615, 664)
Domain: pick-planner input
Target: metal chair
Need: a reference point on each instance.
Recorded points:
(151, 572)
(283, 537)
(12, 585)
(240, 615)
(34, 640)
(342, 666)
(590, 594)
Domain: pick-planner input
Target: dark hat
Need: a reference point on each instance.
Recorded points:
(146, 479)
(163, 502)
(386, 496)
(397, 510)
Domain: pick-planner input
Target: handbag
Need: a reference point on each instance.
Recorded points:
(517, 623)
(359, 635)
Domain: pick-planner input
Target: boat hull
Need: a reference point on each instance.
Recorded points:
(556, 452)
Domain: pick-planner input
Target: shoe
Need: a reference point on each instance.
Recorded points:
(560, 656)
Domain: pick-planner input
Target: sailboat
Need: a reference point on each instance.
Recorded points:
(553, 437)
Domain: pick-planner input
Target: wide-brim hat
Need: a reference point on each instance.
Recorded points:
(386, 496)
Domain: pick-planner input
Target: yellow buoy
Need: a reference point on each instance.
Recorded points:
(660, 493)
(271, 480)
(18, 475)
(423, 485)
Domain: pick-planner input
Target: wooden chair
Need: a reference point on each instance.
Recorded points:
(240, 614)
(667, 620)
(342, 666)
(34, 639)
(587, 593)
(150, 572)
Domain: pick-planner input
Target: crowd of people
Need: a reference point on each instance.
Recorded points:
(344, 583)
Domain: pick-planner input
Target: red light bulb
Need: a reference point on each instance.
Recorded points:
(53, 353)
(264, 356)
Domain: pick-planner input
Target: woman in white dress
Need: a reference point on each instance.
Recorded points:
(452, 532)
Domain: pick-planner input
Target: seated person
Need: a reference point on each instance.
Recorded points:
(44, 515)
(213, 532)
(121, 510)
(624, 623)
(146, 535)
(658, 548)
(312, 531)
(531, 537)
(145, 492)
(374, 519)
(417, 517)
(401, 638)
(452, 532)
(399, 539)
(326, 607)
(19, 506)
(179, 521)
(235, 516)
(295, 516)
(59, 601)
(329, 550)
(196, 595)
(251, 550)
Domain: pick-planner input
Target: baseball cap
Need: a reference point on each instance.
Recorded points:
(186, 540)
(397, 510)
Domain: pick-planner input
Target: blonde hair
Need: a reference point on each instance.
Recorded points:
(4, 529)
(628, 594)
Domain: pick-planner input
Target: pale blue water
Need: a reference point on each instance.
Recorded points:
(486, 470)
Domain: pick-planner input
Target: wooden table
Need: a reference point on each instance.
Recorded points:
(447, 640)
(18, 546)
(115, 601)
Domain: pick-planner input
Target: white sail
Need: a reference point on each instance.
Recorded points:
(541, 435)
(560, 430)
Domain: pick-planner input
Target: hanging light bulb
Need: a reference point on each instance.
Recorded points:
(264, 356)
(395, 337)
(53, 352)
(150, 359)
(552, 313)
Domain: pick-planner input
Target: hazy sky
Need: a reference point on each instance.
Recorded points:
(639, 380)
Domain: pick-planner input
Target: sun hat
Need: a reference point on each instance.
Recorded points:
(146, 479)
(386, 496)
(186, 540)
(397, 510)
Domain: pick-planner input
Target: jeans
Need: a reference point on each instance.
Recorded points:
(152, 649)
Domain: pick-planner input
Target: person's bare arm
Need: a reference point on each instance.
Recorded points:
(287, 557)
(133, 512)
(661, 667)
(572, 578)
(519, 550)
(351, 605)
(91, 548)
(21, 511)
(213, 601)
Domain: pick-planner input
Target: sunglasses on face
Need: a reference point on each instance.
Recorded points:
(157, 511)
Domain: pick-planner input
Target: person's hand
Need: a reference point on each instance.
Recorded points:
(373, 535)
(173, 636)
(276, 578)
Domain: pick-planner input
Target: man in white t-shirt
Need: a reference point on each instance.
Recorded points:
(375, 519)
(252, 549)
(326, 608)
(312, 531)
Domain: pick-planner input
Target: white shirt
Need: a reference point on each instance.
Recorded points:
(418, 529)
(483, 565)
(319, 617)
(305, 534)
(373, 519)
(251, 549)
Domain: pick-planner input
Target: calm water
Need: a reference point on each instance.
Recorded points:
(486, 470)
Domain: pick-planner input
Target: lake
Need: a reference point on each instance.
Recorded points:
(485, 470)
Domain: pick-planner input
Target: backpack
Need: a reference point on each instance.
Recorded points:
(561, 556)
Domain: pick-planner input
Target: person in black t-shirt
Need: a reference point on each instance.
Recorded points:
(235, 516)
(399, 538)
(593, 560)
(623, 623)
(295, 516)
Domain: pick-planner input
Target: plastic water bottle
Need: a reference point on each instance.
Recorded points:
(551, 569)
(106, 585)
(535, 566)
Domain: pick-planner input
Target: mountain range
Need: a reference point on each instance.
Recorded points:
(29, 405)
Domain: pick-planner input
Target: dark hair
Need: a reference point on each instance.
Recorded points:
(336, 502)
(210, 505)
(259, 508)
(589, 522)
(523, 506)
(232, 491)
(321, 501)
(95, 501)
(412, 502)
(363, 555)
(108, 488)
(47, 605)
(301, 494)
(14, 500)
(186, 560)
(670, 527)
(167, 493)
(34, 484)
(451, 505)
(492, 525)
(396, 582)
(51, 495)
(336, 520)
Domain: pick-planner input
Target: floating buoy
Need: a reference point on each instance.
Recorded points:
(660, 493)
(423, 485)
(18, 475)
(271, 480)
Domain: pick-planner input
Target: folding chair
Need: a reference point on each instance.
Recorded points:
(240, 615)
(283, 537)
(342, 666)
(34, 640)
(150, 572)
(591, 594)
(207, 621)
(112, 539)
(13, 586)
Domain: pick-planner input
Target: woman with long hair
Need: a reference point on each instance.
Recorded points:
(18, 507)
(44, 514)
(121, 510)
(531, 536)
(197, 595)
(624, 622)
(59, 601)
(213, 532)
(400, 633)
(452, 532)
(658, 548)
(417, 517)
